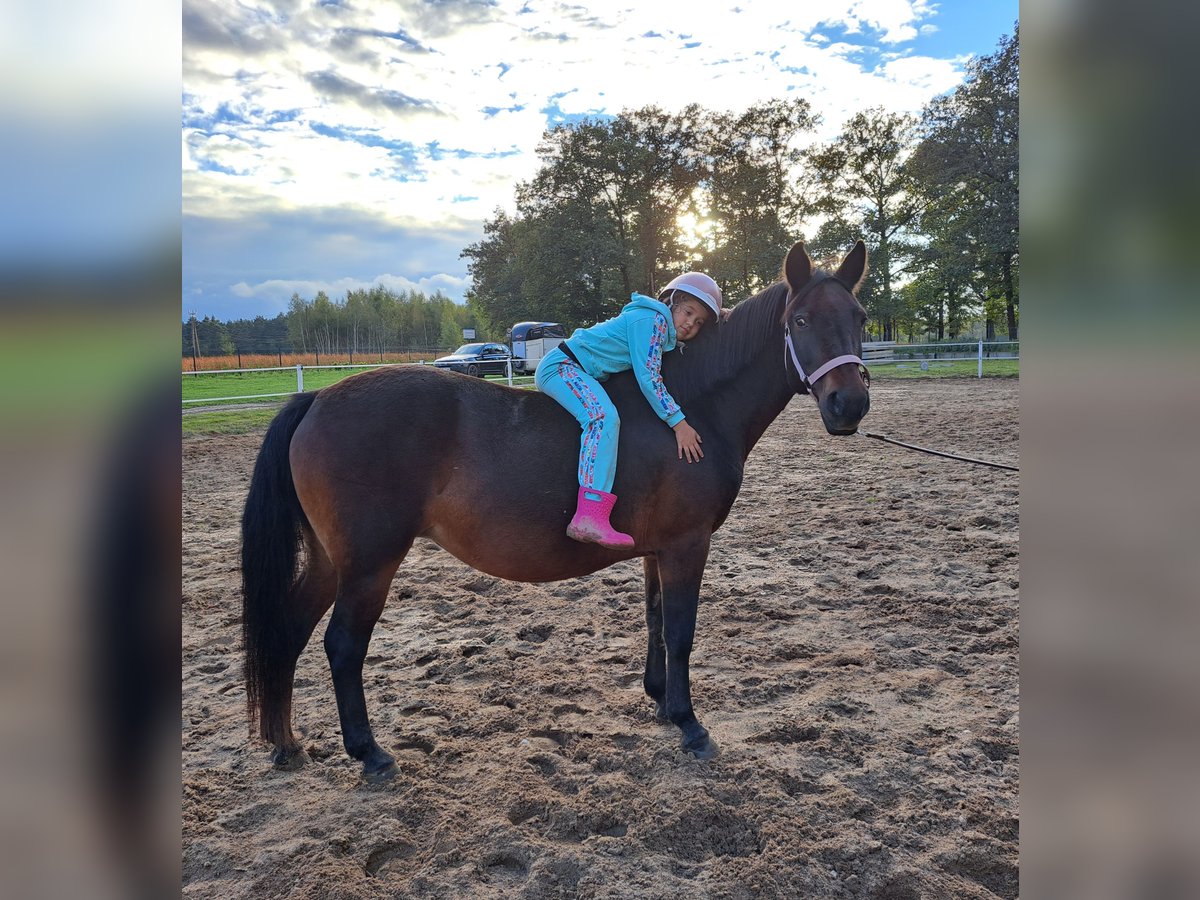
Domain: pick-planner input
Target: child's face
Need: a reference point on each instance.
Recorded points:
(690, 315)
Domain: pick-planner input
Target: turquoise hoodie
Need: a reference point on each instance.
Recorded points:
(636, 339)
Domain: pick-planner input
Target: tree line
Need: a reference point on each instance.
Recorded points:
(935, 197)
(366, 321)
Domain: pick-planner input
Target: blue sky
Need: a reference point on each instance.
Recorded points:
(329, 145)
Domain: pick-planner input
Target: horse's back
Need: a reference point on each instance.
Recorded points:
(427, 421)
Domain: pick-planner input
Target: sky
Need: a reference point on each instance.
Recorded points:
(336, 144)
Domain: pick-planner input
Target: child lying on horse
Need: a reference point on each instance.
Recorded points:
(635, 339)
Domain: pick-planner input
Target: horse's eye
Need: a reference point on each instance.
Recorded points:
(801, 322)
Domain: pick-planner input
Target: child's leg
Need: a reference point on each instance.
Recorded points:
(587, 401)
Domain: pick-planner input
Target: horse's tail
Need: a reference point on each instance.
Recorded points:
(270, 540)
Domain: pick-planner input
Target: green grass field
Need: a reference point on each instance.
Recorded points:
(204, 385)
(240, 420)
(948, 368)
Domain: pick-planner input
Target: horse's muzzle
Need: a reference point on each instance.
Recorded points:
(843, 408)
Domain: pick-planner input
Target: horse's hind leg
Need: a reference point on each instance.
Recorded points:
(655, 679)
(311, 597)
(360, 600)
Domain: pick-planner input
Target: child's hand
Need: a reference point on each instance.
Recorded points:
(688, 442)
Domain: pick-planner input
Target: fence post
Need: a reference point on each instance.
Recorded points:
(981, 359)
(299, 378)
(508, 370)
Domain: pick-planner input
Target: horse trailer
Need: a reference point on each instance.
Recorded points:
(531, 341)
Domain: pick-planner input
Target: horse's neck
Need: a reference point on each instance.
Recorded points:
(747, 406)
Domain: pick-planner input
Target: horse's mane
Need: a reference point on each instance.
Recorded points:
(722, 351)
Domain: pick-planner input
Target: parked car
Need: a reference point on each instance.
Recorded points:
(477, 359)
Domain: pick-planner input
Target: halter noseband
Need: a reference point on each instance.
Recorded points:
(807, 381)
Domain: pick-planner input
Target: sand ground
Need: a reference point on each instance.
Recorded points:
(856, 660)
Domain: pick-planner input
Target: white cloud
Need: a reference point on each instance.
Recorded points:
(924, 77)
(280, 290)
(894, 18)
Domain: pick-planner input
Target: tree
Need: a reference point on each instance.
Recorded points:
(210, 336)
(861, 180)
(938, 299)
(357, 315)
(191, 344)
(597, 222)
(557, 263)
(751, 193)
(638, 170)
(298, 326)
(496, 276)
(967, 168)
(324, 321)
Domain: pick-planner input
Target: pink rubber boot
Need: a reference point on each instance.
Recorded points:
(591, 524)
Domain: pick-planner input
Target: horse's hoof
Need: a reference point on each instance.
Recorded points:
(701, 748)
(380, 775)
(289, 760)
(378, 767)
(660, 713)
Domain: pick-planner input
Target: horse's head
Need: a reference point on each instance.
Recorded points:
(823, 323)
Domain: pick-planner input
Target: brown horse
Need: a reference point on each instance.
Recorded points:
(360, 469)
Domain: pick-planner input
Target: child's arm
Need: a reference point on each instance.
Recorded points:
(648, 335)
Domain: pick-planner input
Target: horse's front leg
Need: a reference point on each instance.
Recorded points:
(655, 679)
(680, 571)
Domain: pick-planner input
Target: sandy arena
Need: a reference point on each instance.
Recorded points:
(856, 660)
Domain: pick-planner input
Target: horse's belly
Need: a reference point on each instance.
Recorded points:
(527, 555)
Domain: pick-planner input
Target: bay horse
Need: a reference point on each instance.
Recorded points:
(358, 470)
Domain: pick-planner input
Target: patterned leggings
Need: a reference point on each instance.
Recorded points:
(585, 399)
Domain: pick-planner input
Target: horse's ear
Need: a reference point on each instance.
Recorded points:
(797, 267)
(854, 266)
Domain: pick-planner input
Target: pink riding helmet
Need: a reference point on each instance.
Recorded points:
(699, 286)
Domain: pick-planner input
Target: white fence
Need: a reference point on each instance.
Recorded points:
(876, 353)
(883, 353)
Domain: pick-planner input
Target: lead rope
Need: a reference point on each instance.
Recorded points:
(978, 462)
